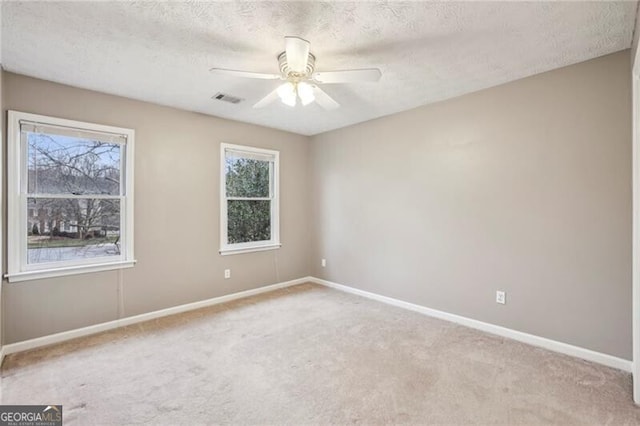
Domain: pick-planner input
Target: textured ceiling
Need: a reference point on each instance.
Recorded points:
(161, 51)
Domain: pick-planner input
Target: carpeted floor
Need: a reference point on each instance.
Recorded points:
(311, 355)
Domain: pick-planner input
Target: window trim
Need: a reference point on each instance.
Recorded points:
(253, 246)
(18, 268)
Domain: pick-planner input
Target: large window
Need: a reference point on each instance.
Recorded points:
(248, 199)
(70, 196)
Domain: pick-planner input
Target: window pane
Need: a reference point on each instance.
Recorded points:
(248, 221)
(69, 165)
(72, 229)
(247, 177)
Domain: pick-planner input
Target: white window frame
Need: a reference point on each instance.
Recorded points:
(274, 242)
(18, 267)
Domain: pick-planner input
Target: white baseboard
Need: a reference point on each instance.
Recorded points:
(553, 345)
(1, 355)
(93, 329)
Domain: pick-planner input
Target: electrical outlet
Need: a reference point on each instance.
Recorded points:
(501, 297)
(227, 273)
(324, 262)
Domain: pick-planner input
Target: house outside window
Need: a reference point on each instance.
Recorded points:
(70, 197)
(249, 199)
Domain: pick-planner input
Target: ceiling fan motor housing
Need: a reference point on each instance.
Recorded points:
(288, 73)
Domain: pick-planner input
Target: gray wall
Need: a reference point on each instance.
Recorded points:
(524, 187)
(176, 214)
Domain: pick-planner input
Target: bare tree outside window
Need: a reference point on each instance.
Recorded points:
(70, 197)
(73, 198)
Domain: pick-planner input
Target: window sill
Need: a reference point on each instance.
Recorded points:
(68, 270)
(230, 251)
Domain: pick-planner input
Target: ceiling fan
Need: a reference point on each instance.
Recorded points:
(297, 69)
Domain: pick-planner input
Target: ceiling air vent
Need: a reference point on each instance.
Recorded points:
(226, 98)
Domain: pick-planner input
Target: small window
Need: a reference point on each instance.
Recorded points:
(249, 199)
(70, 197)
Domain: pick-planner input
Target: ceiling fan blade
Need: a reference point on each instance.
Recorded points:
(270, 98)
(297, 50)
(244, 74)
(324, 100)
(348, 76)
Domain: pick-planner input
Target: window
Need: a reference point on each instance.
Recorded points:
(70, 197)
(248, 199)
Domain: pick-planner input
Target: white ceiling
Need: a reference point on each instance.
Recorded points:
(161, 52)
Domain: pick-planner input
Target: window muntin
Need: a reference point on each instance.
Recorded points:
(249, 199)
(70, 196)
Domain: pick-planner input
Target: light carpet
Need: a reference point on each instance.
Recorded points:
(312, 355)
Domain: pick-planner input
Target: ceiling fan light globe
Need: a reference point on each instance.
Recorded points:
(289, 100)
(307, 101)
(305, 91)
(287, 90)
